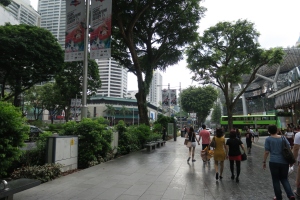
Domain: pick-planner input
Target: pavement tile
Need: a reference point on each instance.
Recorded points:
(163, 174)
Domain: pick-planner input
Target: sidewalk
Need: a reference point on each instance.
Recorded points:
(161, 174)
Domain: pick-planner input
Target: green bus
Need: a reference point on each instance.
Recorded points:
(260, 122)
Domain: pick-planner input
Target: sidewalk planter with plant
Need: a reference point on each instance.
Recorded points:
(94, 139)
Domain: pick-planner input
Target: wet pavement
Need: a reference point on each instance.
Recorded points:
(161, 174)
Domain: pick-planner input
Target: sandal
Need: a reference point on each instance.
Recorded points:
(297, 195)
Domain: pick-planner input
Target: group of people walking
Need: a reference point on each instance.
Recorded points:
(233, 148)
(222, 151)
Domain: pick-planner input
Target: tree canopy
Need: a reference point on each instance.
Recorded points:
(5, 2)
(225, 53)
(69, 83)
(28, 55)
(216, 114)
(150, 35)
(199, 100)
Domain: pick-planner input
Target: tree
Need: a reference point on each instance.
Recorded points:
(150, 35)
(198, 100)
(5, 2)
(33, 100)
(28, 55)
(124, 110)
(110, 111)
(51, 99)
(216, 114)
(69, 83)
(225, 54)
(13, 132)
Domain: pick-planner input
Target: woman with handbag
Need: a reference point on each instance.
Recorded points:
(191, 136)
(233, 145)
(278, 165)
(219, 152)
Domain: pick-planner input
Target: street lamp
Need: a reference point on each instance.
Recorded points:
(132, 115)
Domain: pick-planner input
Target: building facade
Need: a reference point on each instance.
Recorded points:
(24, 12)
(113, 79)
(53, 18)
(155, 91)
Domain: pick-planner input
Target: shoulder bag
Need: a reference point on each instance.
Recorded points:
(244, 156)
(287, 153)
(213, 143)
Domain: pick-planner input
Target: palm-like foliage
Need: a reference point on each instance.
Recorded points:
(110, 111)
(124, 110)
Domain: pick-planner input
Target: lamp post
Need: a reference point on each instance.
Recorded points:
(132, 115)
(85, 63)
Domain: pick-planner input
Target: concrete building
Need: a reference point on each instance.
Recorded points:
(7, 17)
(155, 92)
(19, 12)
(53, 18)
(97, 107)
(113, 78)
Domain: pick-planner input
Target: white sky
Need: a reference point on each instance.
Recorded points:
(276, 20)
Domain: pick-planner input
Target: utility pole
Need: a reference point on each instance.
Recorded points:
(180, 106)
(169, 98)
(85, 62)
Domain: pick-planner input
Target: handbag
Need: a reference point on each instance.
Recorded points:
(244, 156)
(213, 143)
(189, 144)
(186, 141)
(206, 154)
(287, 153)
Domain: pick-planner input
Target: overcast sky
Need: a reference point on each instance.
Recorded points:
(277, 21)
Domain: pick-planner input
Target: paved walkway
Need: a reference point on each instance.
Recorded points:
(161, 174)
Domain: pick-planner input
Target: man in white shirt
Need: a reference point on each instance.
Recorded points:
(296, 153)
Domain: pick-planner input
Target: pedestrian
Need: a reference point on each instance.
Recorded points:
(249, 139)
(234, 155)
(238, 133)
(191, 136)
(164, 133)
(219, 153)
(279, 167)
(296, 153)
(205, 136)
(290, 136)
(256, 135)
(185, 130)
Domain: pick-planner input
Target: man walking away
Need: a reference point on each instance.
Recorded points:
(205, 136)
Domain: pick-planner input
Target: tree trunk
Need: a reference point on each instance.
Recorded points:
(229, 114)
(142, 105)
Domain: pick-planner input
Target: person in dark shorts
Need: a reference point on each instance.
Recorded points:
(249, 139)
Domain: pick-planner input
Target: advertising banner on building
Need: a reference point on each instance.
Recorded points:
(100, 37)
(173, 97)
(75, 23)
(152, 115)
(165, 98)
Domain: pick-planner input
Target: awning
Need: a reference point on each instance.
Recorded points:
(286, 96)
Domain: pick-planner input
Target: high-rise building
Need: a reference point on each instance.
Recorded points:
(155, 91)
(24, 12)
(53, 18)
(113, 78)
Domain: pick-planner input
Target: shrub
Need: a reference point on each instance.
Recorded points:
(129, 142)
(157, 128)
(43, 173)
(94, 139)
(13, 132)
(34, 156)
(155, 136)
